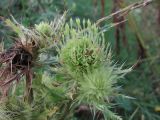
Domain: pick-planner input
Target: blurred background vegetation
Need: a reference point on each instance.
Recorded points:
(136, 41)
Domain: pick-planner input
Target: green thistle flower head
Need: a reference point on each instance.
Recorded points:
(97, 86)
(44, 28)
(83, 48)
(82, 55)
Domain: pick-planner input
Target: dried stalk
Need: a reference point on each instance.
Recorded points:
(126, 10)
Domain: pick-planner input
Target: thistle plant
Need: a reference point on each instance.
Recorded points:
(84, 72)
(85, 56)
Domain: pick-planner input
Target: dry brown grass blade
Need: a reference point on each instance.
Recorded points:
(15, 77)
(29, 91)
